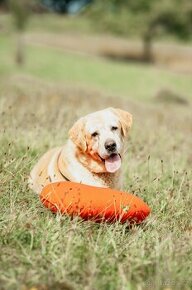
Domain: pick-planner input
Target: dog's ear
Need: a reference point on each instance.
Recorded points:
(125, 119)
(77, 134)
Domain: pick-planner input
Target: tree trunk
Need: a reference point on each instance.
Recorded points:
(20, 54)
(147, 44)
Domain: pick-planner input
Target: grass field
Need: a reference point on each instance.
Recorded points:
(38, 104)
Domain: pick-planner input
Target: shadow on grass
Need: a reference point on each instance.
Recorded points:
(127, 57)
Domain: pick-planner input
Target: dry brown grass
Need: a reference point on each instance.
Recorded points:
(62, 254)
(43, 251)
(38, 104)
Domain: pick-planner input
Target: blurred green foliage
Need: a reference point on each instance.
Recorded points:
(146, 18)
(20, 11)
(142, 17)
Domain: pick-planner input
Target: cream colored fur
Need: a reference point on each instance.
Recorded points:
(81, 159)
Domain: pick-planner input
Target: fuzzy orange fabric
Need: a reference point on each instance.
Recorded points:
(94, 203)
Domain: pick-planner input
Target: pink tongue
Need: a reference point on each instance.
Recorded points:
(113, 163)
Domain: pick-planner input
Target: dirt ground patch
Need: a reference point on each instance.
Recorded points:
(175, 57)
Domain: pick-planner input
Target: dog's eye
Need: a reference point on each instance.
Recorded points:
(94, 134)
(114, 128)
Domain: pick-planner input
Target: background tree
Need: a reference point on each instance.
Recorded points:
(147, 19)
(20, 11)
(171, 17)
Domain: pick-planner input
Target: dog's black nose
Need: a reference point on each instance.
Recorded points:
(110, 145)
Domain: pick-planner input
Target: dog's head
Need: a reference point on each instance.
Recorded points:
(99, 138)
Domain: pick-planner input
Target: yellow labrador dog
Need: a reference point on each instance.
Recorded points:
(92, 155)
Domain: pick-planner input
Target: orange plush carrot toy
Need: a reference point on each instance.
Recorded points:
(94, 203)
